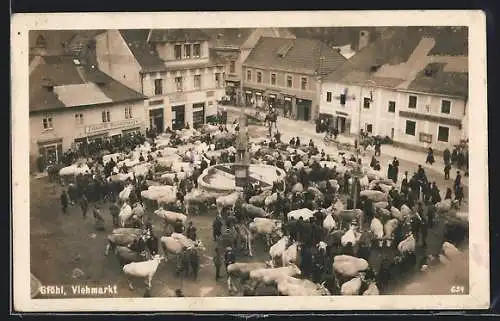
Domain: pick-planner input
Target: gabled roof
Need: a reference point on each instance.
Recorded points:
(229, 37)
(399, 57)
(147, 57)
(299, 55)
(441, 81)
(77, 85)
(177, 35)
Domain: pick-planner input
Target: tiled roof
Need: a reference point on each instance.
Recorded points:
(301, 55)
(336, 36)
(229, 37)
(136, 40)
(441, 82)
(62, 74)
(180, 35)
(400, 56)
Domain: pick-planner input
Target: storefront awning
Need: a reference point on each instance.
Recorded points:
(258, 93)
(272, 96)
(248, 92)
(288, 98)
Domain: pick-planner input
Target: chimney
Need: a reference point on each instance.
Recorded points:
(364, 39)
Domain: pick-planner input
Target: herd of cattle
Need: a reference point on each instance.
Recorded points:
(314, 191)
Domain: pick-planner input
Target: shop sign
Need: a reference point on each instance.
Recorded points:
(272, 96)
(258, 94)
(425, 138)
(112, 125)
(248, 92)
(341, 113)
(288, 98)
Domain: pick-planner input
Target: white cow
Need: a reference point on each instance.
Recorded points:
(273, 275)
(145, 269)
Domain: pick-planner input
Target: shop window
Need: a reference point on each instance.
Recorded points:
(289, 81)
(79, 119)
(196, 50)
(249, 75)
(273, 79)
(178, 83)
(232, 67)
(128, 112)
(303, 83)
(187, 51)
(158, 87)
(197, 82)
(445, 106)
(412, 102)
(178, 52)
(410, 127)
(47, 123)
(106, 117)
(329, 96)
(443, 134)
(392, 106)
(218, 80)
(259, 77)
(366, 102)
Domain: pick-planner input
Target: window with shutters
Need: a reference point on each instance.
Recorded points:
(273, 79)
(128, 112)
(178, 52)
(366, 102)
(392, 106)
(106, 117)
(197, 82)
(329, 96)
(196, 50)
(342, 99)
(218, 80)
(249, 75)
(47, 123)
(187, 51)
(158, 87)
(445, 106)
(178, 84)
(289, 81)
(410, 127)
(303, 83)
(232, 67)
(79, 119)
(443, 134)
(259, 77)
(412, 102)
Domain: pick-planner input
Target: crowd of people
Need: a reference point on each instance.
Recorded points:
(416, 191)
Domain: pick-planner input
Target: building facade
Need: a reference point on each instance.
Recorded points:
(233, 46)
(285, 73)
(72, 103)
(420, 101)
(172, 68)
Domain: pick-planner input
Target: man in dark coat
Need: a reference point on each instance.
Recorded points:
(458, 180)
(64, 201)
(447, 169)
(114, 210)
(446, 156)
(191, 231)
(217, 227)
(84, 205)
(229, 257)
